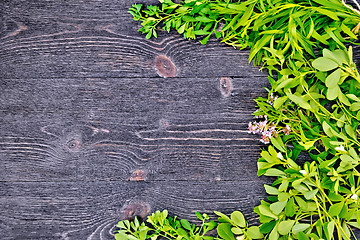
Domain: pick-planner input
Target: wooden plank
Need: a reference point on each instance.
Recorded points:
(69, 39)
(91, 131)
(89, 210)
(171, 129)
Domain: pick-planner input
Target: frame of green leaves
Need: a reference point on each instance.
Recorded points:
(312, 108)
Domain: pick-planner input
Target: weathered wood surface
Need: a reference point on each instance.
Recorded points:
(98, 124)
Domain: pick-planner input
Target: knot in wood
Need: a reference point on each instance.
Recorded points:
(164, 66)
(226, 86)
(135, 209)
(137, 175)
(74, 144)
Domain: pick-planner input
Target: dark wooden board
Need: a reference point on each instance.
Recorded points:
(89, 210)
(98, 124)
(172, 129)
(99, 39)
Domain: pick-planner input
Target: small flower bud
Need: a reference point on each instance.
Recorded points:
(354, 197)
(340, 148)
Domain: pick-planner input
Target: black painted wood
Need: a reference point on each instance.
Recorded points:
(98, 124)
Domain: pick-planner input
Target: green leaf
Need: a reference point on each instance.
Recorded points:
(355, 106)
(290, 208)
(203, 19)
(182, 28)
(254, 232)
(329, 54)
(335, 209)
(238, 219)
(185, 223)
(278, 143)
(328, 13)
(302, 236)
(222, 217)
(350, 131)
(324, 64)
(344, 99)
(300, 227)
(353, 97)
(333, 79)
(182, 233)
(302, 204)
(277, 207)
(265, 210)
(205, 40)
(274, 172)
(271, 190)
(224, 231)
(274, 235)
(299, 101)
(348, 159)
(267, 227)
(236, 231)
(121, 235)
(333, 93)
(280, 101)
(311, 194)
(285, 227)
(199, 216)
(329, 229)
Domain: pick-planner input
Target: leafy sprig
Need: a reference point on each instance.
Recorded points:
(159, 224)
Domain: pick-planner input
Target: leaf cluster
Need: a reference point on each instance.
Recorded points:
(159, 225)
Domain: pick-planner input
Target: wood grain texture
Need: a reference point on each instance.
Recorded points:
(98, 124)
(100, 39)
(88, 210)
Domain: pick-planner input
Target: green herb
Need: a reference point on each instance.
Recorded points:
(159, 224)
(312, 108)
